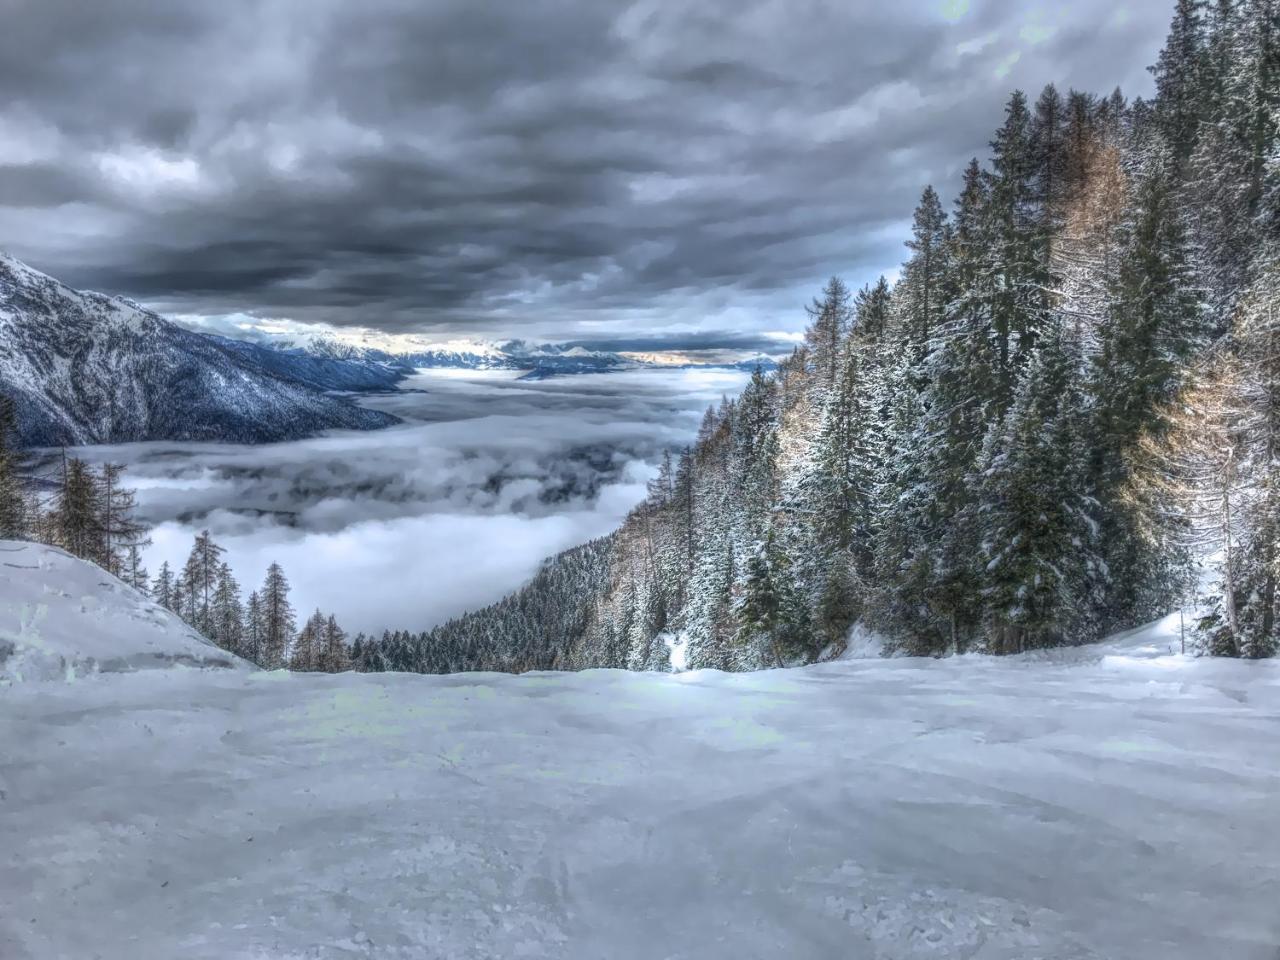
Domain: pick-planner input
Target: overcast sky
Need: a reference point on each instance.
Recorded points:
(563, 169)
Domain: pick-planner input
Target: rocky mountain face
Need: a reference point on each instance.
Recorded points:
(83, 368)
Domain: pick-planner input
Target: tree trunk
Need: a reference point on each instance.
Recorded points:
(1228, 569)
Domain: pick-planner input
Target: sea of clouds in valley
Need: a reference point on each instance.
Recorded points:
(405, 527)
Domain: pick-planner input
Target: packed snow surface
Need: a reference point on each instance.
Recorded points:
(1116, 801)
(62, 618)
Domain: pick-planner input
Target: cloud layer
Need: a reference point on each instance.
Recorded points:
(406, 527)
(558, 168)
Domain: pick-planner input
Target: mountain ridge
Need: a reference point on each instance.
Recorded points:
(82, 367)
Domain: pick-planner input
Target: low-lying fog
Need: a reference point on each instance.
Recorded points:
(406, 527)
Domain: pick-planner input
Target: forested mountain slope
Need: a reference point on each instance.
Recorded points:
(1071, 392)
(533, 629)
(87, 368)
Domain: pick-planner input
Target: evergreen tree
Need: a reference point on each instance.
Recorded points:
(226, 612)
(927, 539)
(77, 513)
(1018, 247)
(839, 604)
(122, 536)
(200, 582)
(1179, 74)
(871, 311)
(1154, 325)
(920, 292)
(772, 612)
(255, 630)
(134, 573)
(305, 655)
(1049, 160)
(831, 316)
(334, 656)
(14, 519)
(840, 486)
(278, 623)
(162, 588)
(755, 445)
(1041, 570)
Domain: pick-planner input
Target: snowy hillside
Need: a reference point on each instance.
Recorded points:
(87, 368)
(63, 618)
(1117, 802)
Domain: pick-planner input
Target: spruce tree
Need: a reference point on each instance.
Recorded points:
(334, 656)
(920, 292)
(1155, 322)
(1179, 74)
(200, 582)
(77, 514)
(14, 520)
(305, 654)
(162, 588)
(277, 619)
(1040, 569)
(134, 573)
(122, 535)
(255, 630)
(226, 613)
(830, 316)
(1016, 231)
(772, 613)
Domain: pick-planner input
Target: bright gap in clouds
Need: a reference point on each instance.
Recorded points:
(406, 527)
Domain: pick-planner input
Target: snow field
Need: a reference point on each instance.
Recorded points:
(1108, 802)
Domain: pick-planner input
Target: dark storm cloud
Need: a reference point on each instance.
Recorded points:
(568, 169)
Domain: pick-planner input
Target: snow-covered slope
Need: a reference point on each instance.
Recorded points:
(87, 368)
(62, 619)
(1117, 804)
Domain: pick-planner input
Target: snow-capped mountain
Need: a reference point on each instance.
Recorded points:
(83, 367)
(326, 365)
(394, 355)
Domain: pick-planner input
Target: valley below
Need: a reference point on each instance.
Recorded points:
(405, 527)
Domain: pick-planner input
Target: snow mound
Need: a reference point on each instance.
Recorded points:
(63, 618)
(863, 643)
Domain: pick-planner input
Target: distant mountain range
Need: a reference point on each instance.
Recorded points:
(87, 368)
(83, 368)
(538, 361)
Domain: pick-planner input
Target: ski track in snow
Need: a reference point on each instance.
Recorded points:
(1113, 801)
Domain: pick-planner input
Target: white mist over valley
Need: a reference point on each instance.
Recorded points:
(403, 528)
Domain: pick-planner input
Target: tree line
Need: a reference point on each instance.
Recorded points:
(87, 512)
(262, 628)
(90, 513)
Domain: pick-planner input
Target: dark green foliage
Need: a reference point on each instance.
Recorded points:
(773, 615)
(14, 509)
